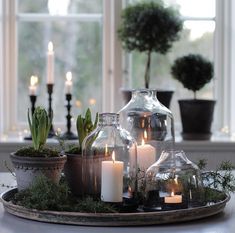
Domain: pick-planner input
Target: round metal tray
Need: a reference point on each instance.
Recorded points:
(112, 219)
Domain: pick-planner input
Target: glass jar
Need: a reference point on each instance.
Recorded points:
(109, 161)
(173, 182)
(150, 123)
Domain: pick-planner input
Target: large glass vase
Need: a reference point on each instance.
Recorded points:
(150, 123)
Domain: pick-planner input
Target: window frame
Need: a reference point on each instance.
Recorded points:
(113, 58)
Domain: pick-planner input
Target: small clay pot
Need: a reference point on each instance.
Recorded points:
(73, 173)
(27, 169)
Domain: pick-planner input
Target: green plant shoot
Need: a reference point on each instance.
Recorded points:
(85, 125)
(39, 125)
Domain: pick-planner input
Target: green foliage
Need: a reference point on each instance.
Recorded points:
(222, 178)
(149, 27)
(46, 195)
(85, 126)
(43, 195)
(39, 126)
(213, 195)
(193, 71)
(43, 152)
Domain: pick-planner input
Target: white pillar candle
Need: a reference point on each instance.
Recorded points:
(173, 199)
(50, 64)
(146, 155)
(112, 180)
(33, 85)
(68, 83)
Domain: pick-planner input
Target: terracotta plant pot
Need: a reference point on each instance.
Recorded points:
(27, 169)
(196, 117)
(73, 173)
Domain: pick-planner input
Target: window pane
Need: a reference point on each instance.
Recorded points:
(77, 47)
(189, 8)
(195, 8)
(73, 6)
(197, 37)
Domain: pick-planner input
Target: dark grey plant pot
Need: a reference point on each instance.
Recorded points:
(27, 169)
(73, 173)
(164, 96)
(196, 117)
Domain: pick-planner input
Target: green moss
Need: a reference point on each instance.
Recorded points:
(43, 152)
(74, 149)
(45, 195)
(212, 195)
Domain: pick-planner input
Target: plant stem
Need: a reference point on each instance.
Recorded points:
(147, 70)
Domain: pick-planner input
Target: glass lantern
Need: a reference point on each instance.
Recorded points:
(173, 182)
(109, 161)
(150, 123)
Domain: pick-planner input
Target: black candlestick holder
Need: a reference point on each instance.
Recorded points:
(33, 99)
(50, 112)
(68, 135)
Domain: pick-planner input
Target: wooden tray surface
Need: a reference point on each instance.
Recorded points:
(112, 219)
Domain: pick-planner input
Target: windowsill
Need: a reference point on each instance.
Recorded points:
(218, 142)
(219, 148)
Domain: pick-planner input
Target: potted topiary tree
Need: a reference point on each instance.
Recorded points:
(73, 166)
(30, 162)
(149, 27)
(194, 71)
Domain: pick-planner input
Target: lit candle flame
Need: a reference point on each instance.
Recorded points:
(33, 80)
(113, 156)
(176, 180)
(106, 150)
(142, 142)
(145, 135)
(172, 194)
(50, 47)
(69, 76)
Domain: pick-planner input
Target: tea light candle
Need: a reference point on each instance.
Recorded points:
(33, 85)
(146, 155)
(50, 64)
(112, 180)
(68, 83)
(173, 199)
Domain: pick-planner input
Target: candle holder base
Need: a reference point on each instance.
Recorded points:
(69, 136)
(51, 133)
(28, 138)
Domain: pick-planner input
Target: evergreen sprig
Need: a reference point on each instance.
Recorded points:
(46, 195)
(221, 178)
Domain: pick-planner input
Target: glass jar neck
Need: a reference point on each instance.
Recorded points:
(144, 93)
(108, 119)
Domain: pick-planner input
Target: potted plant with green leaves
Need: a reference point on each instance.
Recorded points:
(194, 72)
(31, 162)
(73, 166)
(147, 28)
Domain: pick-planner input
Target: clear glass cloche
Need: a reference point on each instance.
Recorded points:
(173, 182)
(150, 123)
(109, 161)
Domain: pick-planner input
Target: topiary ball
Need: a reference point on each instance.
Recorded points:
(193, 71)
(149, 27)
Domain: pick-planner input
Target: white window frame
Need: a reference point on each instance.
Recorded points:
(112, 62)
